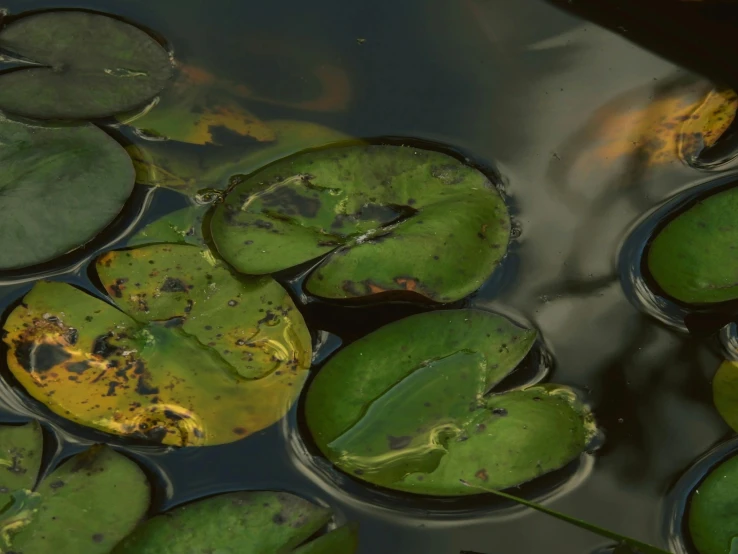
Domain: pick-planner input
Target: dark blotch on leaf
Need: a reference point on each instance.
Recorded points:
(398, 443)
(173, 285)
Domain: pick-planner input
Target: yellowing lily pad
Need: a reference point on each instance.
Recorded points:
(191, 355)
(87, 504)
(653, 132)
(408, 407)
(194, 107)
(89, 66)
(385, 218)
(243, 523)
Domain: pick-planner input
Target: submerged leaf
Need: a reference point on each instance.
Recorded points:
(162, 164)
(60, 186)
(650, 129)
(196, 106)
(389, 218)
(713, 522)
(196, 357)
(236, 523)
(692, 258)
(89, 66)
(407, 407)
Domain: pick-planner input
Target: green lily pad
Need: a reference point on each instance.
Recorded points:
(725, 392)
(407, 407)
(238, 523)
(183, 226)
(21, 449)
(191, 355)
(692, 259)
(89, 66)
(385, 218)
(60, 186)
(712, 518)
(87, 504)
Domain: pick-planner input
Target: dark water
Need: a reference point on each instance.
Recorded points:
(510, 84)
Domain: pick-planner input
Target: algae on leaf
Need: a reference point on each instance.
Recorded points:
(385, 218)
(191, 355)
(408, 407)
(60, 186)
(87, 504)
(240, 523)
(86, 66)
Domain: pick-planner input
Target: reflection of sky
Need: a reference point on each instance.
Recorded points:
(510, 83)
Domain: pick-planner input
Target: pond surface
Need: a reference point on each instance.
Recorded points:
(514, 86)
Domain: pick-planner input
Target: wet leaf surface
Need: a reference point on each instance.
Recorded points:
(236, 523)
(692, 258)
(407, 407)
(389, 218)
(196, 356)
(60, 186)
(87, 504)
(725, 392)
(21, 449)
(89, 66)
(163, 164)
(712, 519)
(182, 226)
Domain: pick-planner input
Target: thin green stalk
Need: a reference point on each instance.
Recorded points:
(641, 547)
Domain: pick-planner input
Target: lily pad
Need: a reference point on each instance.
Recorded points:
(713, 522)
(87, 504)
(60, 186)
(165, 164)
(385, 218)
(240, 523)
(725, 392)
(692, 258)
(183, 226)
(191, 355)
(408, 407)
(88, 66)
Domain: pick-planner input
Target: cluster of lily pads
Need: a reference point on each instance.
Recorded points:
(196, 343)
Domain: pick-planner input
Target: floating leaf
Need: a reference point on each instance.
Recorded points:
(725, 392)
(707, 123)
(197, 356)
(713, 522)
(194, 107)
(60, 186)
(86, 505)
(161, 164)
(388, 218)
(241, 522)
(692, 258)
(183, 226)
(89, 66)
(407, 407)
(20, 458)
